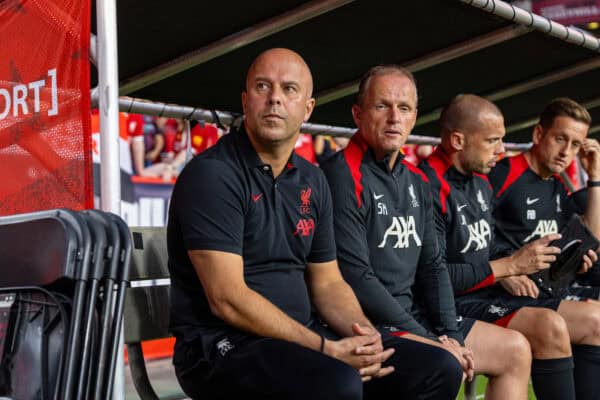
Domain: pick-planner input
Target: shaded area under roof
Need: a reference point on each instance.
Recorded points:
(341, 44)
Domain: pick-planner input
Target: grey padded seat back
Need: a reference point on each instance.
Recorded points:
(147, 305)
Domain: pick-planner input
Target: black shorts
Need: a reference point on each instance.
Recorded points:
(248, 366)
(496, 306)
(581, 293)
(464, 323)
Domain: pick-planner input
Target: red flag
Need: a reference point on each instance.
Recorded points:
(45, 150)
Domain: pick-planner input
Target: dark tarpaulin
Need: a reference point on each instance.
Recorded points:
(341, 44)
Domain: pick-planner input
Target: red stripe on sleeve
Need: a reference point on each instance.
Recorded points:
(398, 334)
(354, 154)
(440, 164)
(490, 280)
(412, 168)
(517, 165)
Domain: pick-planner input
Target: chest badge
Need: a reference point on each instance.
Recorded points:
(305, 199)
(413, 196)
(482, 202)
(305, 226)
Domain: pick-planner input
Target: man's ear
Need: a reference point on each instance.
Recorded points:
(457, 140)
(244, 99)
(310, 106)
(356, 114)
(538, 133)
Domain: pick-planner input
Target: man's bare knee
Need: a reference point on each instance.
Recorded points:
(519, 349)
(589, 326)
(545, 330)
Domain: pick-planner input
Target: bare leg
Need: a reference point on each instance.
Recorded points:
(583, 321)
(545, 330)
(504, 356)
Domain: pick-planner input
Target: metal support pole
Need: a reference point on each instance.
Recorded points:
(539, 23)
(187, 130)
(108, 100)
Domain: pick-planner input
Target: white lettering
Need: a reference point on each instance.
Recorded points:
(480, 234)
(54, 109)
(382, 209)
(19, 96)
(35, 86)
(544, 227)
(147, 211)
(6, 96)
(403, 229)
(15, 98)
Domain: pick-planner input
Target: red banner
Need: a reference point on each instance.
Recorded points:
(568, 12)
(44, 105)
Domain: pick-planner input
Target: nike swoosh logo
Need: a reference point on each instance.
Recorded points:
(459, 207)
(377, 196)
(531, 201)
(256, 197)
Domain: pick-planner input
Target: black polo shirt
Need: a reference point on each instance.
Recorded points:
(387, 248)
(527, 207)
(463, 218)
(226, 199)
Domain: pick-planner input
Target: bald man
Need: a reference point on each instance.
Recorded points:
(472, 129)
(251, 254)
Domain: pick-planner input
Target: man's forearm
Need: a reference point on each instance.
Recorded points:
(338, 306)
(251, 312)
(502, 268)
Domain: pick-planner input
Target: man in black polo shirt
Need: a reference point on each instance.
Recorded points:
(251, 247)
(386, 242)
(471, 131)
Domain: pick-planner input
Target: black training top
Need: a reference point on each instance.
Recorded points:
(387, 249)
(463, 219)
(226, 199)
(527, 207)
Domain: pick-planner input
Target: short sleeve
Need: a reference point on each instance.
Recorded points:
(209, 207)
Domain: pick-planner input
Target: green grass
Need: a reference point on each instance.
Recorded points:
(481, 382)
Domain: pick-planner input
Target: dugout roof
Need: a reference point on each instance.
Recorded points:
(452, 47)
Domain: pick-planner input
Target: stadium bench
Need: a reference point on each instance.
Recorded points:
(147, 305)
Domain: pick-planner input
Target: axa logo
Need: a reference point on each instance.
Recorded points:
(480, 235)
(402, 230)
(304, 227)
(305, 198)
(544, 227)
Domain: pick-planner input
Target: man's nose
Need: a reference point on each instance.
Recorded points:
(394, 115)
(275, 95)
